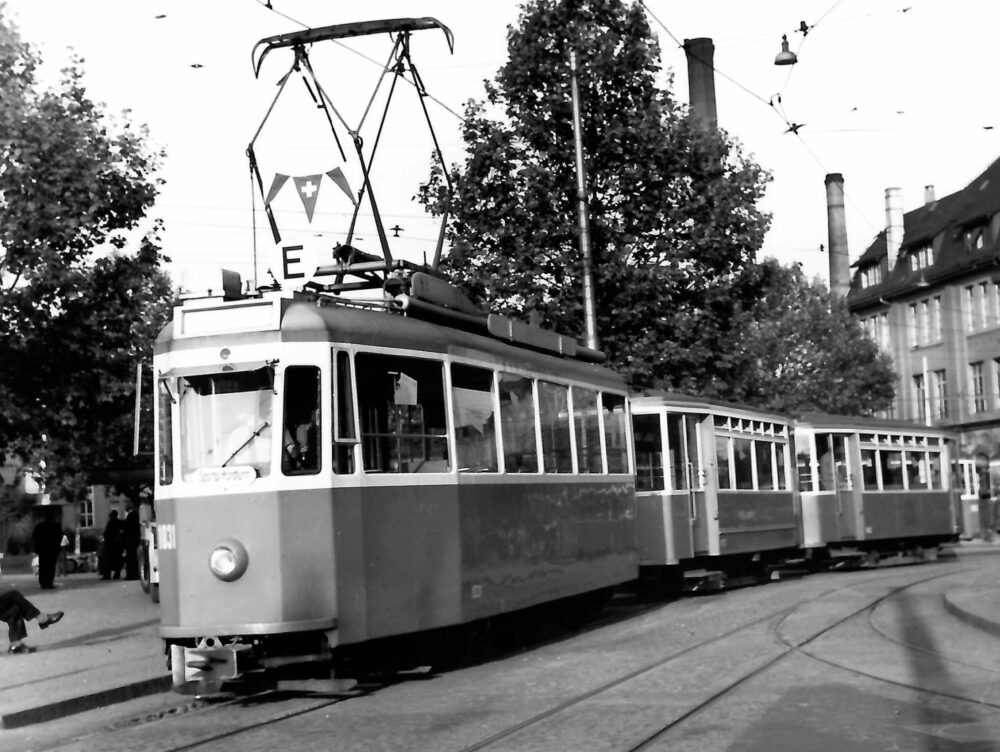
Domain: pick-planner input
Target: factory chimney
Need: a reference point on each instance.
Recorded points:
(836, 220)
(701, 81)
(893, 224)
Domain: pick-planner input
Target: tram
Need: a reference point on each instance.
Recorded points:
(715, 497)
(332, 473)
(873, 488)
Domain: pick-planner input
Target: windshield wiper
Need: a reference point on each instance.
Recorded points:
(247, 443)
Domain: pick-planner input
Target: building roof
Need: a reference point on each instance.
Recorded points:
(949, 217)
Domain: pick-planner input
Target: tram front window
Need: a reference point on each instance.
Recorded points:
(225, 421)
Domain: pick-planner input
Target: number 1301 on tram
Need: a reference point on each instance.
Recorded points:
(332, 473)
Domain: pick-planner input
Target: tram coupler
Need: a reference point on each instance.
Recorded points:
(203, 669)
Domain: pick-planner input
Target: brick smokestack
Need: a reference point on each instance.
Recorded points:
(836, 222)
(893, 224)
(701, 80)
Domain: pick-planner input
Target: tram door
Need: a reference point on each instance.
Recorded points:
(845, 484)
(682, 433)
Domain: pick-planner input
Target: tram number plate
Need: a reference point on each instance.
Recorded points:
(166, 536)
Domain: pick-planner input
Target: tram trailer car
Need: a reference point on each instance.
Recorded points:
(715, 493)
(874, 488)
(329, 475)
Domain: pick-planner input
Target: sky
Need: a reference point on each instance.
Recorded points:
(887, 93)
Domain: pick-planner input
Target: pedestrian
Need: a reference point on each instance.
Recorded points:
(111, 553)
(130, 536)
(47, 537)
(15, 610)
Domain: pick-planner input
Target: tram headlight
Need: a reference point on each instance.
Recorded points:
(228, 560)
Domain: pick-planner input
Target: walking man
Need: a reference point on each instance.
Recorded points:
(47, 537)
(15, 610)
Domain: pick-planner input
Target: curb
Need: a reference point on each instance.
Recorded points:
(73, 705)
(969, 617)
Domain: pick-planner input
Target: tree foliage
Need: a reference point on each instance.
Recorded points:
(77, 313)
(673, 214)
(798, 349)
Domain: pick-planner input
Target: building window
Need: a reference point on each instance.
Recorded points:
(939, 384)
(995, 308)
(970, 308)
(983, 307)
(85, 511)
(871, 275)
(920, 258)
(914, 326)
(978, 393)
(920, 394)
(926, 325)
(936, 318)
(996, 374)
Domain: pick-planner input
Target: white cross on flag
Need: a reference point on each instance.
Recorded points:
(308, 188)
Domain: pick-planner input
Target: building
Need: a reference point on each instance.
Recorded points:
(927, 290)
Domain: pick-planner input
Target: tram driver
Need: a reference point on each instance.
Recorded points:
(299, 445)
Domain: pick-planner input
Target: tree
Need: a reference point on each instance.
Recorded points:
(77, 312)
(797, 349)
(673, 214)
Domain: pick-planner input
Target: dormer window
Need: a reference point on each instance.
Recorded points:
(871, 275)
(975, 238)
(920, 258)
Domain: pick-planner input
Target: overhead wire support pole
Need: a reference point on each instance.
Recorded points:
(583, 212)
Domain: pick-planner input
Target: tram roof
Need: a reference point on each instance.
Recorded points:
(661, 398)
(874, 425)
(306, 320)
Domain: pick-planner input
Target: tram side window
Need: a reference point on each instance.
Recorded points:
(827, 464)
(517, 417)
(779, 456)
(615, 436)
(553, 410)
(916, 469)
(934, 467)
(588, 431)
(676, 467)
(765, 468)
(722, 459)
(475, 423)
(344, 433)
(166, 435)
(744, 463)
(869, 469)
(892, 470)
(300, 440)
(648, 453)
(401, 401)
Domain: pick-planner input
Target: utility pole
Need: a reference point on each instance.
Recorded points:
(583, 211)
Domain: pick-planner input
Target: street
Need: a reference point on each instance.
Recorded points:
(839, 661)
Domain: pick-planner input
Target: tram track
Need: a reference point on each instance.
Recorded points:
(231, 728)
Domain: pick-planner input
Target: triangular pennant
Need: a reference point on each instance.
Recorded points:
(338, 177)
(279, 180)
(308, 188)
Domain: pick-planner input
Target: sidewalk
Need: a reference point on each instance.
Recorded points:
(105, 650)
